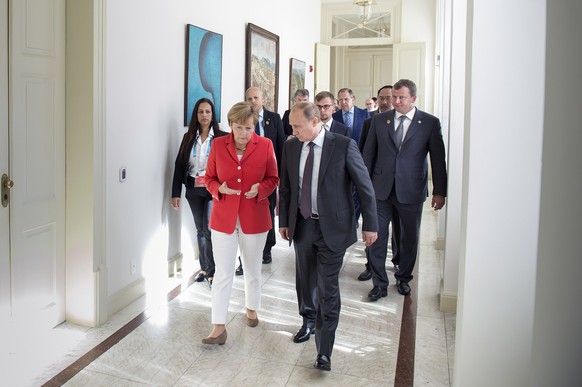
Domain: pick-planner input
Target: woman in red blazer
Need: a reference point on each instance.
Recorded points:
(241, 174)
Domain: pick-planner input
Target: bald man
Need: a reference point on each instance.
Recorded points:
(271, 127)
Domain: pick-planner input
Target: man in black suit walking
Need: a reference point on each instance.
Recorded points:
(270, 126)
(395, 154)
(316, 212)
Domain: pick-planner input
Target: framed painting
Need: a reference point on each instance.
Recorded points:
(296, 78)
(262, 64)
(203, 69)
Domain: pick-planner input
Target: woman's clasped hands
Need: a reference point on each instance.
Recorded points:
(253, 192)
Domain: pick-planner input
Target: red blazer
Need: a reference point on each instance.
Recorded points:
(258, 165)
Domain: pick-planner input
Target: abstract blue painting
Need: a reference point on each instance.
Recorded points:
(203, 69)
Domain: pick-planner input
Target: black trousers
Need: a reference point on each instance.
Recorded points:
(410, 216)
(271, 239)
(317, 284)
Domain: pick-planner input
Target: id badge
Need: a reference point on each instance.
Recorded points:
(199, 182)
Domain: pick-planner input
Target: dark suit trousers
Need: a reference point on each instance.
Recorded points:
(317, 273)
(394, 240)
(410, 216)
(271, 239)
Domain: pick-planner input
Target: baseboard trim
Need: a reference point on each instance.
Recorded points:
(448, 302)
(125, 296)
(175, 264)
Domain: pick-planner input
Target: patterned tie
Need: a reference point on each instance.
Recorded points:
(348, 119)
(399, 132)
(305, 201)
(325, 126)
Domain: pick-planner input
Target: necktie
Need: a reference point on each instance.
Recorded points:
(348, 119)
(305, 201)
(399, 132)
(325, 127)
(258, 125)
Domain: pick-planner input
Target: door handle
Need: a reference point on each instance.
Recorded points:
(6, 185)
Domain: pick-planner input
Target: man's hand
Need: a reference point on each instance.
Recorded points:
(175, 203)
(284, 231)
(437, 202)
(369, 237)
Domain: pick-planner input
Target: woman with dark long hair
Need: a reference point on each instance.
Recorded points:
(189, 170)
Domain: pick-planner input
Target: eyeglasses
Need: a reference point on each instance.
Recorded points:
(323, 107)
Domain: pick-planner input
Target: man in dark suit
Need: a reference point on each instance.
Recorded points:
(384, 104)
(395, 154)
(324, 101)
(350, 115)
(354, 117)
(270, 126)
(316, 212)
(301, 95)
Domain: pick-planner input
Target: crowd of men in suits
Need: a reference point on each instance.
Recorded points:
(335, 164)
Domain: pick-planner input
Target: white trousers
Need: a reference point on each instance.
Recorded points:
(225, 248)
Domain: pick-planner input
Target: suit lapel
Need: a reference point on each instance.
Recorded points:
(414, 126)
(296, 152)
(251, 146)
(390, 124)
(328, 146)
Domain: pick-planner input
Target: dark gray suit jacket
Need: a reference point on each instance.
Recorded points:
(339, 128)
(407, 168)
(341, 166)
(273, 127)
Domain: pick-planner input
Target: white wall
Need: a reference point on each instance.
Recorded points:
(504, 135)
(418, 26)
(144, 109)
(557, 341)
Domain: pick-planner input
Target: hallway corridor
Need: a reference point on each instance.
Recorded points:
(375, 345)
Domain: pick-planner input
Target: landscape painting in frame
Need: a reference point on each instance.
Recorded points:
(262, 64)
(296, 78)
(203, 69)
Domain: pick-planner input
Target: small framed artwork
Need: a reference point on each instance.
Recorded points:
(262, 64)
(296, 78)
(203, 69)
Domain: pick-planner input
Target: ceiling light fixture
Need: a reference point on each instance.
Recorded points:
(365, 9)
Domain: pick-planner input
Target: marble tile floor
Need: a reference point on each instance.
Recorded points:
(165, 349)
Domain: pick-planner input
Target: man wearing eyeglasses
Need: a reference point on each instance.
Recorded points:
(324, 101)
(395, 153)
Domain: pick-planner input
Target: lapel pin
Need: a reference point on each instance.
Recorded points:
(419, 121)
(388, 122)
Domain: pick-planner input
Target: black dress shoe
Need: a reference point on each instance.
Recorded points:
(365, 275)
(303, 334)
(403, 288)
(377, 292)
(322, 363)
(267, 257)
(200, 277)
(239, 269)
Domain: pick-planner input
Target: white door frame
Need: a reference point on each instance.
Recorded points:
(4, 212)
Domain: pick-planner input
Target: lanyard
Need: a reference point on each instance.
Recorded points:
(198, 162)
(207, 149)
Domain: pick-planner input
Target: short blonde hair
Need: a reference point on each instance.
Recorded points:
(240, 112)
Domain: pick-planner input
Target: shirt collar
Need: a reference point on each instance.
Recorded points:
(409, 115)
